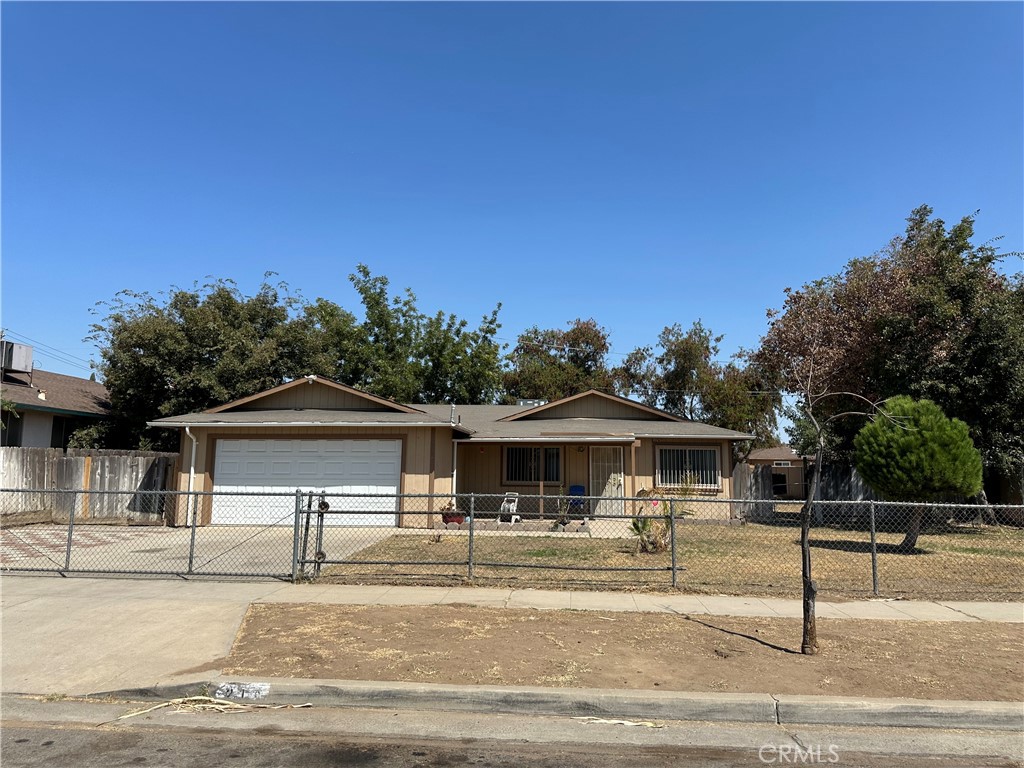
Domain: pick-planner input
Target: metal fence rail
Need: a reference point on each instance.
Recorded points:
(701, 545)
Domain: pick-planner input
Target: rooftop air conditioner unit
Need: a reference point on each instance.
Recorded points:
(16, 358)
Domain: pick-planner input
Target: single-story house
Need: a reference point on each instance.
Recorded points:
(48, 407)
(788, 469)
(316, 434)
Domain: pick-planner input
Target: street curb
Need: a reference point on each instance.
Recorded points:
(575, 702)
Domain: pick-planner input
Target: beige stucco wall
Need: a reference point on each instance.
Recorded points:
(313, 396)
(481, 469)
(594, 407)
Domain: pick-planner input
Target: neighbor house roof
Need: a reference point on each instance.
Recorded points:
(55, 393)
(778, 453)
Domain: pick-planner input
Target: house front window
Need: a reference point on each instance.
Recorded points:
(533, 465)
(693, 467)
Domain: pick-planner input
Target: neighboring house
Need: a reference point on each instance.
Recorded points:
(48, 407)
(787, 470)
(315, 434)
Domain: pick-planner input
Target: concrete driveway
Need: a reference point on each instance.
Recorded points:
(219, 549)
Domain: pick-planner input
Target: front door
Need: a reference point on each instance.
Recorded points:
(606, 480)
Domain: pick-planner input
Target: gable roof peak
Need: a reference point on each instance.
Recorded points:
(593, 393)
(316, 380)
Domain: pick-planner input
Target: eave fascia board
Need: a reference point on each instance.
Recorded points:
(261, 425)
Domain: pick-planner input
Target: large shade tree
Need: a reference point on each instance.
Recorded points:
(912, 452)
(190, 349)
(935, 316)
(684, 376)
(552, 363)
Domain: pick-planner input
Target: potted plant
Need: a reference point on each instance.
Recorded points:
(449, 514)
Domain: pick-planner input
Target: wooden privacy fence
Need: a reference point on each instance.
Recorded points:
(61, 484)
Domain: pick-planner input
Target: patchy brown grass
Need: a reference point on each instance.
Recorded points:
(466, 645)
(971, 564)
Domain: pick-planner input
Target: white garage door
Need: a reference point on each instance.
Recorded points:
(333, 466)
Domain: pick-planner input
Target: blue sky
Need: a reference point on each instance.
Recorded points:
(643, 164)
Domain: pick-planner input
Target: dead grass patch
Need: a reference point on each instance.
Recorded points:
(973, 564)
(469, 646)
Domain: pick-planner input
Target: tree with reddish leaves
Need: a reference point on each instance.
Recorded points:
(805, 346)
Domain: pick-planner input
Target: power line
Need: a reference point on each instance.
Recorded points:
(43, 353)
(39, 348)
(45, 346)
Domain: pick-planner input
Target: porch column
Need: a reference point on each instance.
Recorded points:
(632, 474)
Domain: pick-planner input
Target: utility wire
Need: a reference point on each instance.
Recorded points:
(46, 346)
(39, 348)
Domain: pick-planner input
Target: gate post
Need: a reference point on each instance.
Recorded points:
(71, 532)
(672, 535)
(874, 550)
(192, 533)
(295, 536)
(472, 525)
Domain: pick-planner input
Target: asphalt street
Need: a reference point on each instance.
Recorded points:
(88, 734)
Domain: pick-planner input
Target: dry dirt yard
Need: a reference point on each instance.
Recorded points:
(467, 645)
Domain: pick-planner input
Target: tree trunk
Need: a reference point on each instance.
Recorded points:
(809, 643)
(909, 543)
(986, 514)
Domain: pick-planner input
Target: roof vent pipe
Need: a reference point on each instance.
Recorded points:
(452, 417)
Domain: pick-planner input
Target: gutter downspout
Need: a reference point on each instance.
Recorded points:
(191, 471)
(192, 466)
(455, 458)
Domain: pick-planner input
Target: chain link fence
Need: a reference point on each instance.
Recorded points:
(699, 545)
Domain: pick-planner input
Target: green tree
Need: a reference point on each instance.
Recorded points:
(403, 354)
(912, 452)
(189, 350)
(192, 350)
(684, 377)
(552, 363)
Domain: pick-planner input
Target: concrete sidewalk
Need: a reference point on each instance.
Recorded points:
(81, 636)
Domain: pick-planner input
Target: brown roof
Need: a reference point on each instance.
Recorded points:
(778, 453)
(481, 423)
(491, 422)
(59, 393)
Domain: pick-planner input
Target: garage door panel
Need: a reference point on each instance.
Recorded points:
(306, 467)
(329, 466)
